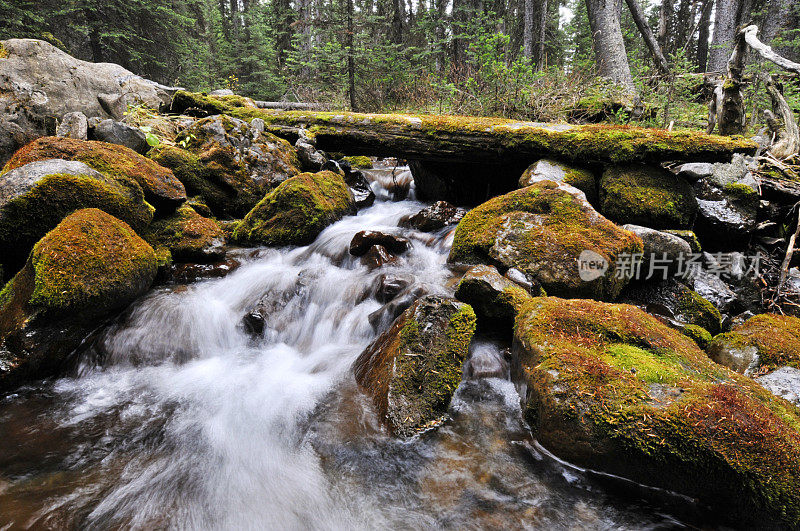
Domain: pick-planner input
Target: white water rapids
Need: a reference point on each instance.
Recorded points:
(177, 418)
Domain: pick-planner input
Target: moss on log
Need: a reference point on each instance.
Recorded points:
(474, 139)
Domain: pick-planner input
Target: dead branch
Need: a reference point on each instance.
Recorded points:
(789, 253)
(749, 35)
(788, 144)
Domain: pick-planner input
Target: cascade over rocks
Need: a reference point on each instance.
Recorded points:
(648, 196)
(161, 188)
(297, 210)
(412, 370)
(87, 267)
(434, 217)
(612, 389)
(39, 84)
(36, 196)
(542, 230)
(228, 163)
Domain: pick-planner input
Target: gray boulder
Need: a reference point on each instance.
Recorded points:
(551, 170)
(122, 134)
(660, 245)
(73, 125)
(694, 171)
(40, 83)
(784, 382)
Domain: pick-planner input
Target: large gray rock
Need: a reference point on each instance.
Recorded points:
(552, 170)
(73, 125)
(40, 83)
(122, 134)
(784, 382)
(661, 246)
(21, 180)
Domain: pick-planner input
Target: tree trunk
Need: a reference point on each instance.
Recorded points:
(283, 39)
(776, 19)
(665, 16)
(609, 46)
(527, 30)
(534, 30)
(351, 66)
(703, 35)
(730, 15)
(647, 35)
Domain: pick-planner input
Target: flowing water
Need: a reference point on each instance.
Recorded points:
(176, 417)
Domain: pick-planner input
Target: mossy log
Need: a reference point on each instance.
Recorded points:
(474, 139)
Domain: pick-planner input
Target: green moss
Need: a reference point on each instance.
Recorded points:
(647, 196)
(698, 311)
(359, 162)
(689, 237)
(3, 51)
(90, 262)
(614, 389)
(565, 227)
(120, 163)
(25, 219)
(743, 195)
(698, 334)
(211, 104)
(188, 236)
(297, 210)
(777, 338)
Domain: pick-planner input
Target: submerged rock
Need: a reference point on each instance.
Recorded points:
(228, 163)
(186, 236)
(160, 186)
(297, 210)
(90, 265)
(648, 196)
(412, 370)
(434, 217)
(542, 231)
(36, 196)
(551, 170)
(612, 389)
(365, 239)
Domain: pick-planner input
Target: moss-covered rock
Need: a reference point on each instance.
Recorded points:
(494, 298)
(90, 265)
(161, 188)
(613, 389)
(186, 236)
(297, 210)
(228, 163)
(359, 162)
(647, 195)
(698, 334)
(35, 197)
(551, 170)
(677, 302)
(689, 237)
(773, 339)
(542, 230)
(412, 370)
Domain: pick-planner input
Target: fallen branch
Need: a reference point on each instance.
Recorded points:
(789, 253)
(291, 105)
(788, 144)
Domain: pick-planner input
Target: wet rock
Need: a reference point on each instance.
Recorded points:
(90, 265)
(412, 370)
(667, 249)
(253, 323)
(494, 298)
(784, 382)
(122, 134)
(365, 239)
(376, 257)
(689, 237)
(390, 311)
(551, 170)
(675, 301)
(771, 340)
(229, 163)
(647, 196)
(186, 273)
(311, 159)
(186, 236)
(38, 81)
(434, 217)
(694, 171)
(388, 286)
(487, 360)
(297, 210)
(160, 186)
(714, 289)
(542, 231)
(611, 388)
(359, 186)
(36, 196)
(73, 125)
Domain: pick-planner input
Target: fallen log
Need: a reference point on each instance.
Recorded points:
(290, 105)
(477, 140)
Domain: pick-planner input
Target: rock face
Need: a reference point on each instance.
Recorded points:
(772, 340)
(228, 163)
(434, 217)
(784, 382)
(91, 264)
(551, 170)
(122, 134)
(35, 197)
(40, 83)
(611, 388)
(297, 210)
(186, 236)
(648, 196)
(495, 298)
(542, 231)
(412, 370)
(161, 188)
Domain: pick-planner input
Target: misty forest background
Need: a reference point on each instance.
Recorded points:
(529, 59)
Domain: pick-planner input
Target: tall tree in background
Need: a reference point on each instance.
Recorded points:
(609, 46)
(534, 32)
(647, 35)
(729, 16)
